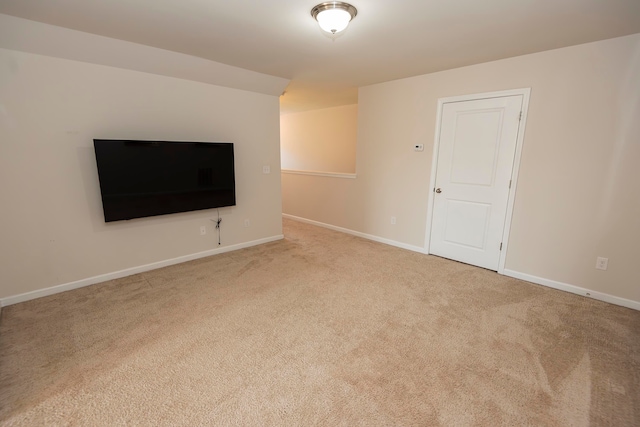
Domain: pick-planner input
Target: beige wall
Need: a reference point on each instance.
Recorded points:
(320, 140)
(578, 194)
(53, 230)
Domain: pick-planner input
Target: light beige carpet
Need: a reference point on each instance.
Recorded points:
(322, 329)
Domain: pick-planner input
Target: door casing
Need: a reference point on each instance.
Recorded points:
(525, 92)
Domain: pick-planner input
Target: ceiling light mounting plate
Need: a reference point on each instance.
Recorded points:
(334, 16)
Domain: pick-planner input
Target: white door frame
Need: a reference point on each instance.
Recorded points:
(525, 92)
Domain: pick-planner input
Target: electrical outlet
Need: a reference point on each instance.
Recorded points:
(418, 147)
(247, 223)
(266, 169)
(203, 230)
(393, 220)
(602, 263)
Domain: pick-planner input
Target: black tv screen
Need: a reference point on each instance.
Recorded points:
(147, 178)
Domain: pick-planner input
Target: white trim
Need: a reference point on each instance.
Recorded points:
(611, 299)
(317, 173)
(514, 180)
(357, 233)
(432, 178)
(525, 93)
(484, 95)
(129, 271)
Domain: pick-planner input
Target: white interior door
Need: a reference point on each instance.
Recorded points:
(477, 146)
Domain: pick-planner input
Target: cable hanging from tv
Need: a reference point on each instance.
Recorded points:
(218, 221)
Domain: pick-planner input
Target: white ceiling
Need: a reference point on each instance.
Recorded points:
(388, 40)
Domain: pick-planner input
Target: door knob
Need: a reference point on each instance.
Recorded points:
(438, 190)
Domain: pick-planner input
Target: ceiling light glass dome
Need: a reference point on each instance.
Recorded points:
(334, 16)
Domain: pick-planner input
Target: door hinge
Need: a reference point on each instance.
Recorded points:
(510, 183)
(500, 245)
(520, 117)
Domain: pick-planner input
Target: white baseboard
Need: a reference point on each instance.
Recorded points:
(358, 233)
(635, 305)
(130, 271)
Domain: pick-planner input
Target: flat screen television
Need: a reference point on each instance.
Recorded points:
(147, 178)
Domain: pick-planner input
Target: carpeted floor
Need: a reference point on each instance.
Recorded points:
(324, 329)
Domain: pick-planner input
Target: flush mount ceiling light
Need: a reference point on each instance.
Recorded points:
(334, 16)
